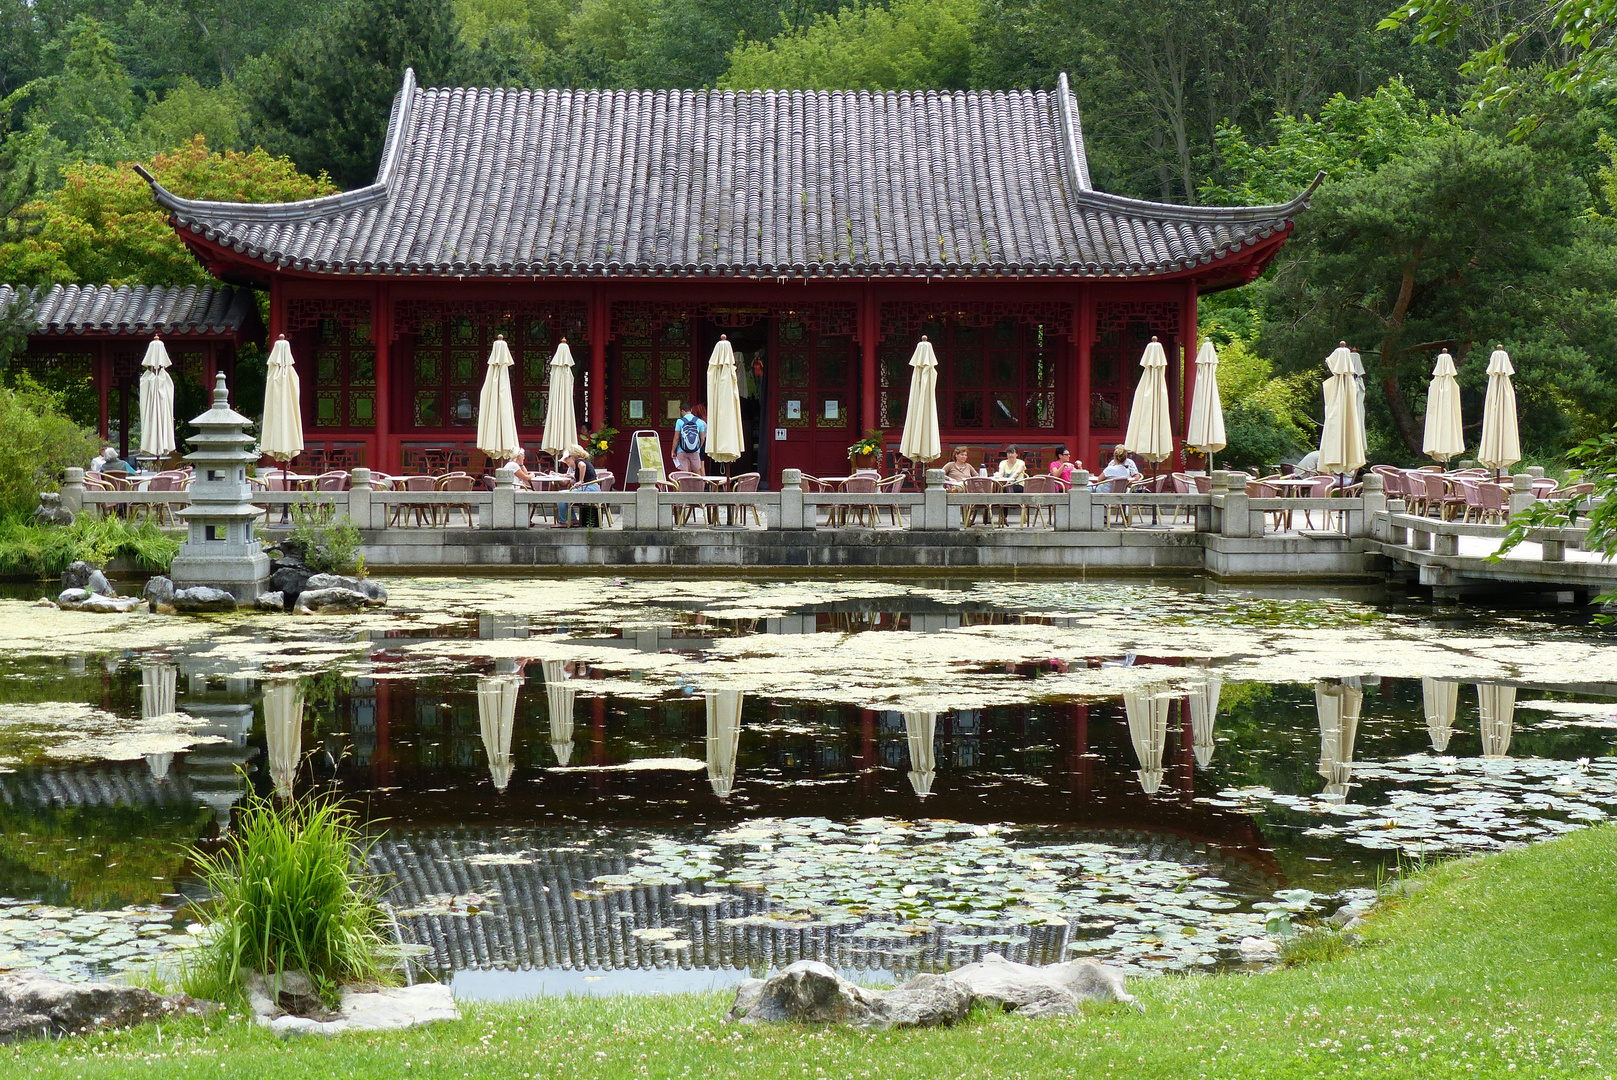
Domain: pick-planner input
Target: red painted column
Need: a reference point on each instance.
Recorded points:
(867, 752)
(1083, 347)
(210, 368)
(382, 758)
(1188, 336)
(1082, 767)
(382, 336)
(600, 328)
(870, 329)
(103, 384)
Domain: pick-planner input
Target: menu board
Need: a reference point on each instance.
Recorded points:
(645, 452)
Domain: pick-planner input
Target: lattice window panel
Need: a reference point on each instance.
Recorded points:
(306, 314)
(992, 377)
(640, 318)
(1123, 328)
(904, 319)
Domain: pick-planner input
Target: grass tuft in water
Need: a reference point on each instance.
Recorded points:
(1315, 947)
(289, 893)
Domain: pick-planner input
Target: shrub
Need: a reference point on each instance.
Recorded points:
(37, 441)
(33, 550)
(289, 893)
(327, 545)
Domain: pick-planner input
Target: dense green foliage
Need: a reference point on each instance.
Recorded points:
(288, 893)
(330, 545)
(37, 441)
(29, 550)
(1499, 967)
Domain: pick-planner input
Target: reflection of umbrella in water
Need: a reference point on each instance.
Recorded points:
(1497, 705)
(283, 731)
(496, 716)
(157, 686)
(1441, 697)
(922, 729)
(559, 696)
(1339, 705)
(1148, 728)
(1203, 712)
(723, 739)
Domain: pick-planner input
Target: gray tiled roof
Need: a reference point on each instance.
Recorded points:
(775, 183)
(136, 309)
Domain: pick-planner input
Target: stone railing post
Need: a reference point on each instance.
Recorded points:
(933, 513)
(1536, 472)
(649, 512)
(1420, 539)
(1371, 521)
(1204, 513)
(73, 491)
(503, 510)
(791, 499)
(1080, 504)
(359, 498)
(1396, 535)
(1521, 492)
(1553, 550)
(1237, 516)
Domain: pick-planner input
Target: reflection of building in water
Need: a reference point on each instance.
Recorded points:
(362, 725)
(1338, 705)
(214, 768)
(559, 698)
(158, 686)
(966, 729)
(283, 733)
(723, 709)
(109, 784)
(1440, 698)
(1203, 715)
(1496, 704)
(920, 729)
(496, 717)
(1147, 714)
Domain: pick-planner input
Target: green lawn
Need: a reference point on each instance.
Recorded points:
(1504, 966)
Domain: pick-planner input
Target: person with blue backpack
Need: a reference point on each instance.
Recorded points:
(690, 439)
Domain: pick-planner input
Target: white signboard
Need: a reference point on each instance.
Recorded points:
(794, 410)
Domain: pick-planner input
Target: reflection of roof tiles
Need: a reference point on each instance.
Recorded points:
(135, 310)
(771, 183)
(103, 785)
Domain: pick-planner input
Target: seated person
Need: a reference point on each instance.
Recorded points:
(956, 472)
(1012, 470)
(1309, 464)
(1063, 467)
(519, 463)
(576, 463)
(1121, 471)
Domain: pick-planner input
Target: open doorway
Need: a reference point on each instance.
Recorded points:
(751, 345)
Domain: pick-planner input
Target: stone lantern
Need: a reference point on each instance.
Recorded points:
(220, 549)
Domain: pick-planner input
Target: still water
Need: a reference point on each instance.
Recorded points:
(623, 786)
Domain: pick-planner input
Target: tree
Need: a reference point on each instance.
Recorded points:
(325, 97)
(912, 44)
(102, 225)
(189, 110)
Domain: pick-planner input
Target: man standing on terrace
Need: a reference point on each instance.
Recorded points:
(690, 438)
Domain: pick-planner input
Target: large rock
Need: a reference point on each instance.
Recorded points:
(99, 584)
(77, 575)
(289, 1006)
(1053, 990)
(271, 601)
(809, 992)
(289, 579)
(312, 601)
(373, 591)
(159, 593)
(203, 599)
(34, 1005)
(50, 510)
(85, 600)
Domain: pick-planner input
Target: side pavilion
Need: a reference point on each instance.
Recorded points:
(823, 232)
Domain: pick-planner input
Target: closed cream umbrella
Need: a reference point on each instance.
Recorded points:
(1496, 703)
(1338, 706)
(496, 717)
(496, 413)
(1203, 714)
(282, 434)
(1445, 438)
(1205, 432)
(560, 698)
(921, 442)
(921, 730)
(1501, 445)
(158, 683)
(1150, 431)
(1147, 714)
(1440, 696)
(561, 422)
(723, 738)
(156, 403)
(1341, 441)
(725, 441)
(283, 732)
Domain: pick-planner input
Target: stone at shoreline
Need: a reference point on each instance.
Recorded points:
(159, 593)
(312, 601)
(289, 579)
(272, 601)
(809, 992)
(1053, 990)
(85, 600)
(99, 584)
(50, 510)
(77, 575)
(202, 599)
(1256, 949)
(373, 591)
(297, 1010)
(35, 1006)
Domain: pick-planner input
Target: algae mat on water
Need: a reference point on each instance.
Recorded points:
(1499, 967)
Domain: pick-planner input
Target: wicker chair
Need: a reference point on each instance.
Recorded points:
(457, 482)
(1044, 484)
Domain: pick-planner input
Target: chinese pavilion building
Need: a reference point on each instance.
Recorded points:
(824, 232)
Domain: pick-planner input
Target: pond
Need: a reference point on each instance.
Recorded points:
(600, 785)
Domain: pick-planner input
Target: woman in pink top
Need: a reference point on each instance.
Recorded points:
(1063, 467)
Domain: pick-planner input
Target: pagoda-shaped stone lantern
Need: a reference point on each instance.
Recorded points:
(220, 549)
